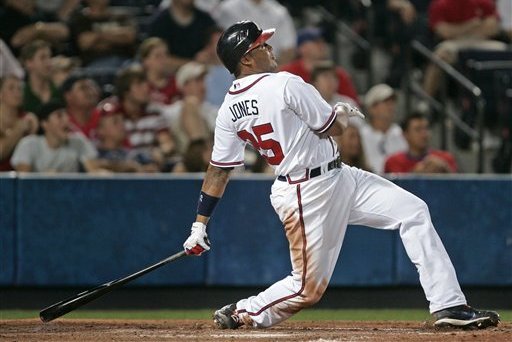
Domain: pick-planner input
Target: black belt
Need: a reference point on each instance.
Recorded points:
(317, 171)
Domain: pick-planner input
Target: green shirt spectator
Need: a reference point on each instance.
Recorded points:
(32, 102)
(39, 88)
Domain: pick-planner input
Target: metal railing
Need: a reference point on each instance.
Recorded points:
(489, 65)
(356, 39)
(464, 82)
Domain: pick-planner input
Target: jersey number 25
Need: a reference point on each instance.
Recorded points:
(267, 144)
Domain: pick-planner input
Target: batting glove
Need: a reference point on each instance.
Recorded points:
(197, 242)
(344, 111)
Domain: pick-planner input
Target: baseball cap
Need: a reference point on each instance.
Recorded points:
(189, 71)
(378, 93)
(48, 108)
(308, 34)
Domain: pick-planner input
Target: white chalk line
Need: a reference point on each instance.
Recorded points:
(253, 335)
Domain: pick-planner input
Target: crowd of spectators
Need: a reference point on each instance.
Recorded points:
(123, 86)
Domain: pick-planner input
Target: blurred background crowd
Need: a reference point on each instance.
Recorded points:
(134, 85)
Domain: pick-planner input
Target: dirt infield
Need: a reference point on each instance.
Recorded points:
(201, 330)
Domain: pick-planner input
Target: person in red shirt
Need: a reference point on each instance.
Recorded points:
(82, 95)
(312, 49)
(460, 24)
(147, 131)
(419, 158)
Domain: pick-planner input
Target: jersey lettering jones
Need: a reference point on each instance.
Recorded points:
(243, 108)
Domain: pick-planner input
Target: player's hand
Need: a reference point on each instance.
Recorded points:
(197, 242)
(344, 111)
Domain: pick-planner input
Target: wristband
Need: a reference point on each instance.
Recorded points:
(206, 204)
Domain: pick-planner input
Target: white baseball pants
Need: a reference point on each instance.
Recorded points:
(315, 214)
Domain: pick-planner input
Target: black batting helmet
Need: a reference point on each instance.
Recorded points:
(237, 40)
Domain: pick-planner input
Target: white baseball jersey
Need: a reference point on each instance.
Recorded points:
(282, 116)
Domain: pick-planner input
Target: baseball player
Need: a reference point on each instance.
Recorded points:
(315, 195)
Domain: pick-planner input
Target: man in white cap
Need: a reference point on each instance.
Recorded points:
(381, 137)
(192, 117)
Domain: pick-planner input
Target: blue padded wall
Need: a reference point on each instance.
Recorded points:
(83, 231)
(89, 231)
(366, 258)
(249, 246)
(473, 217)
(7, 230)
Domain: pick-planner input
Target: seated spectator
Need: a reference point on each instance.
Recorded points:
(56, 149)
(9, 65)
(325, 80)
(381, 137)
(197, 157)
(267, 13)
(419, 158)
(39, 88)
(21, 23)
(82, 95)
(312, 49)
(112, 150)
(105, 38)
(351, 148)
(218, 79)
(153, 54)
(147, 131)
(14, 122)
(185, 30)
(460, 24)
(191, 118)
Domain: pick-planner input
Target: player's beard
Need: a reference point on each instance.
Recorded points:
(273, 66)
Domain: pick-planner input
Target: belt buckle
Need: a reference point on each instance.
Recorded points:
(337, 162)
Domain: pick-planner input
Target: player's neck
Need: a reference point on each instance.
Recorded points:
(243, 75)
(251, 72)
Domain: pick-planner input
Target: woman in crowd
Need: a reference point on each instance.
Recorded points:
(351, 148)
(14, 123)
(154, 57)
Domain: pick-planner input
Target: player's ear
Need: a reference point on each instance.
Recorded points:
(246, 60)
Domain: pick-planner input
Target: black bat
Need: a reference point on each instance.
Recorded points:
(63, 307)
